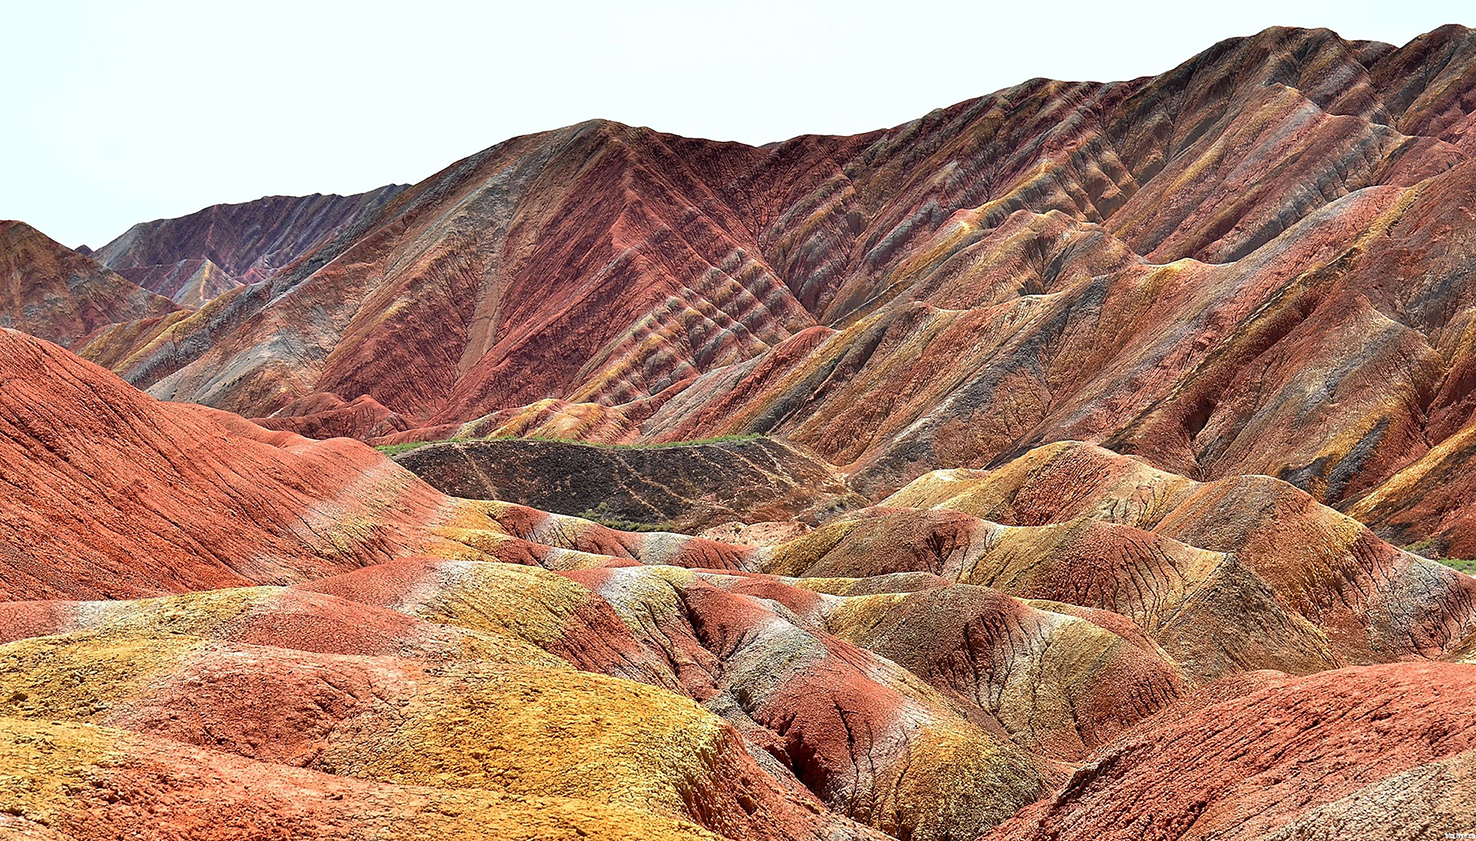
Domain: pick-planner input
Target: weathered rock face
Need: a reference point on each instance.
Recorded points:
(1256, 262)
(1426, 505)
(407, 722)
(328, 416)
(50, 291)
(686, 487)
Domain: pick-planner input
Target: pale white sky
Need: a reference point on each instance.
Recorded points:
(122, 112)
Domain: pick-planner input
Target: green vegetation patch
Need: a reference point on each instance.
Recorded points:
(1466, 565)
(625, 525)
(393, 450)
(605, 517)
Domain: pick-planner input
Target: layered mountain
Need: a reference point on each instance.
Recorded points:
(1063, 464)
(1254, 263)
(48, 290)
(211, 630)
(189, 283)
(194, 258)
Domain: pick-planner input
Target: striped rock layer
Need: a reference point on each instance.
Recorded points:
(1254, 263)
(1118, 394)
(210, 630)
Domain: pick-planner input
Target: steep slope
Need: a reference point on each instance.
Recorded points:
(60, 295)
(1426, 503)
(450, 288)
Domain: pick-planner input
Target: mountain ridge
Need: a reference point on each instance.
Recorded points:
(1113, 261)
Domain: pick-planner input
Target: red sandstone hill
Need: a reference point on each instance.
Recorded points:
(48, 290)
(1393, 756)
(110, 493)
(333, 647)
(1253, 263)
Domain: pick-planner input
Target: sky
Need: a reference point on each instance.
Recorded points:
(122, 112)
